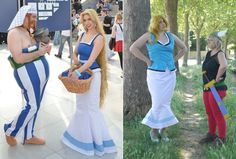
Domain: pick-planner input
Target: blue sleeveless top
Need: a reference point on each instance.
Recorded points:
(160, 54)
(85, 50)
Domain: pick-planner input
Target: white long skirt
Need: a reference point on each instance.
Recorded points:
(161, 87)
(87, 132)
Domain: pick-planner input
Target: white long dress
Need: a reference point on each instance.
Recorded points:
(161, 86)
(87, 132)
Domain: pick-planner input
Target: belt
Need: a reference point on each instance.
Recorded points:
(160, 70)
(17, 65)
(219, 84)
(91, 67)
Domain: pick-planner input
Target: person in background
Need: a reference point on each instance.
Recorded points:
(77, 6)
(65, 37)
(120, 4)
(57, 38)
(99, 7)
(117, 33)
(107, 26)
(107, 5)
(75, 23)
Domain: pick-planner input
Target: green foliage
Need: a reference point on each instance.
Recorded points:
(193, 42)
(157, 7)
(214, 15)
(232, 66)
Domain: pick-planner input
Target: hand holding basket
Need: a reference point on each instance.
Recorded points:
(81, 85)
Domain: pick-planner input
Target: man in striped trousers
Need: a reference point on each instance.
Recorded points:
(31, 72)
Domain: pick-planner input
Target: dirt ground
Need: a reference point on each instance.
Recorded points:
(190, 127)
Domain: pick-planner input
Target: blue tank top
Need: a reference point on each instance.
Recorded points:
(160, 54)
(85, 50)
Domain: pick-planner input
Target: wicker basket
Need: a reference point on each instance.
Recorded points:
(77, 86)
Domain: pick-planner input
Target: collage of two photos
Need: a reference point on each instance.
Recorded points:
(117, 79)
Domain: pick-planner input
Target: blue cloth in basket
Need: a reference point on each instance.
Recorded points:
(65, 73)
(84, 75)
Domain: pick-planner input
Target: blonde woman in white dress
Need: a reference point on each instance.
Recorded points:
(87, 132)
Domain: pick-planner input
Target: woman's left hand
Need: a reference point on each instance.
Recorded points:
(73, 76)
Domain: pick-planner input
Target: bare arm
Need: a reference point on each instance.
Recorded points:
(181, 46)
(113, 32)
(223, 65)
(136, 47)
(14, 45)
(75, 53)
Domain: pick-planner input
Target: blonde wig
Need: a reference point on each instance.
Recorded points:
(154, 26)
(101, 59)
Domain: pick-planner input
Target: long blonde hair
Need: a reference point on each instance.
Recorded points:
(101, 59)
(154, 26)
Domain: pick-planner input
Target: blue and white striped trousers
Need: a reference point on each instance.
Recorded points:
(32, 79)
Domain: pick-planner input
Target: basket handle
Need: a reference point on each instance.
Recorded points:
(74, 67)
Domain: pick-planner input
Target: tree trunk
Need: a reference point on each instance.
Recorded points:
(186, 38)
(198, 48)
(136, 97)
(171, 11)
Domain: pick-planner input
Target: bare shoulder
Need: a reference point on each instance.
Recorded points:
(175, 37)
(221, 54)
(146, 36)
(79, 39)
(99, 38)
(143, 38)
(14, 33)
(221, 58)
